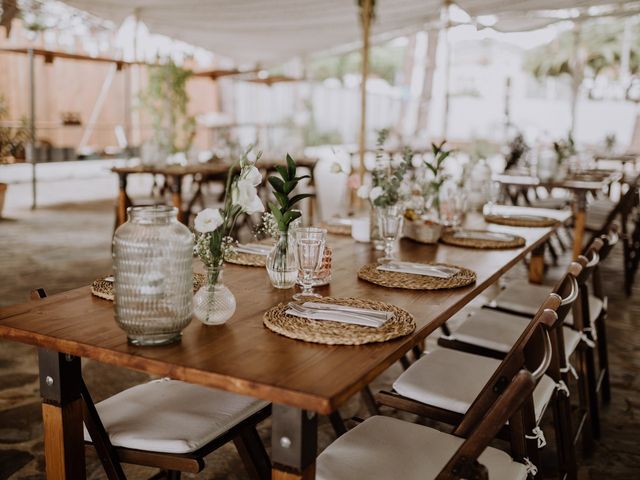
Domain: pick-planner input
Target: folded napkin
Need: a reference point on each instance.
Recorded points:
(504, 237)
(437, 271)
(330, 315)
(254, 249)
(383, 315)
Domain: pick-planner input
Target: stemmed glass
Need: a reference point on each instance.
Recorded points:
(390, 224)
(309, 251)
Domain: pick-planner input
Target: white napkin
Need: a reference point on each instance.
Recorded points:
(254, 249)
(335, 316)
(505, 237)
(419, 269)
(383, 315)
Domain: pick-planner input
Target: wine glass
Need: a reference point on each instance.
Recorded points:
(495, 192)
(390, 224)
(309, 250)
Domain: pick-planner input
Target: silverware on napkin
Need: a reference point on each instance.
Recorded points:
(437, 271)
(504, 237)
(334, 316)
(343, 308)
(253, 249)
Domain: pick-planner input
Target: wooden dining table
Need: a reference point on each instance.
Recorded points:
(175, 174)
(302, 380)
(580, 185)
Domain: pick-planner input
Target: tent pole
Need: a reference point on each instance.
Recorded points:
(577, 75)
(366, 15)
(31, 150)
(447, 71)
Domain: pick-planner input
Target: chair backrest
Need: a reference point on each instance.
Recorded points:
(464, 464)
(521, 354)
(623, 208)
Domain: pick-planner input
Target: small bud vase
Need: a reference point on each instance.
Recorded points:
(214, 303)
(281, 262)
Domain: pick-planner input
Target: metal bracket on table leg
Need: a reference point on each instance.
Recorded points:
(294, 438)
(59, 377)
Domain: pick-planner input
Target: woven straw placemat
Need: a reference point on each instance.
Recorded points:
(104, 289)
(247, 259)
(336, 229)
(337, 333)
(516, 221)
(449, 238)
(410, 281)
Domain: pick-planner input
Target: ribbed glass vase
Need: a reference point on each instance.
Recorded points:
(214, 303)
(153, 275)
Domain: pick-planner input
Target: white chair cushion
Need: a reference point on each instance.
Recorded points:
(388, 448)
(172, 417)
(499, 331)
(452, 380)
(491, 329)
(526, 298)
(571, 340)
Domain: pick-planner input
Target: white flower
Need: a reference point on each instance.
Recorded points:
(245, 195)
(253, 175)
(208, 220)
(363, 191)
(375, 193)
(336, 167)
(397, 162)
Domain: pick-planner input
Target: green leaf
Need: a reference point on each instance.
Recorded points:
(299, 197)
(302, 177)
(276, 212)
(282, 199)
(290, 186)
(291, 165)
(283, 172)
(277, 184)
(290, 216)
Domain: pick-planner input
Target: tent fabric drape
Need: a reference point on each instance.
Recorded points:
(273, 31)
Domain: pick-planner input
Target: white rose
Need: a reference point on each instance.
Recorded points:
(253, 175)
(336, 167)
(245, 195)
(208, 220)
(375, 193)
(363, 191)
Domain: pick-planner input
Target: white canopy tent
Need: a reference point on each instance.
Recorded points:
(272, 31)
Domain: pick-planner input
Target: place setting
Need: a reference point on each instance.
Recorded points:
(249, 254)
(331, 320)
(481, 239)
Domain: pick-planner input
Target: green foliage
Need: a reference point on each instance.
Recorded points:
(436, 167)
(600, 46)
(384, 62)
(517, 148)
(166, 100)
(12, 140)
(388, 175)
(564, 148)
(282, 187)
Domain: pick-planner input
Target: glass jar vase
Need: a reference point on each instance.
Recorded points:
(153, 275)
(214, 303)
(281, 262)
(374, 230)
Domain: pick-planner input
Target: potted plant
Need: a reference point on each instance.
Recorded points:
(166, 100)
(281, 265)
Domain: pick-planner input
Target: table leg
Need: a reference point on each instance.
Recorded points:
(123, 200)
(580, 218)
(536, 265)
(176, 196)
(294, 442)
(60, 378)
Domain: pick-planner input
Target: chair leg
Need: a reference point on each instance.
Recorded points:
(370, 401)
(603, 357)
(173, 475)
(337, 423)
(253, 454)
(561, 407)
(583, 400)
(594, 405)
(404, 361)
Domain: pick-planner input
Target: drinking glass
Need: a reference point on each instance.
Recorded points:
(453, 205)
(390, 224)
(309, 250)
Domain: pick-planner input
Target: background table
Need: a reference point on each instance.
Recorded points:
(242, 356)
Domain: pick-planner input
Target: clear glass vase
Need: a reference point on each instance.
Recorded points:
(214, 303)
(374, 230)
(281, 262)
(153, 275)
